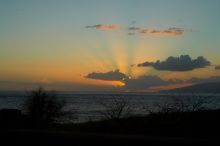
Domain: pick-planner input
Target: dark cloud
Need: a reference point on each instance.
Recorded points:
(144, 82)
(204, 80)
(217, 67)
(105, 26)
(147, 82)
(182, 63)
(108, 76)
(133, 30)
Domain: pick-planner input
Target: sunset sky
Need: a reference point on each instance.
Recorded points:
(108, 45)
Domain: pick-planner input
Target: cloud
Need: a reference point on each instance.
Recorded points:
(133, 28)
(131, 33)
(107, 76)
(144, 82)
(217, 67)
(172, 31)
(182, 63)
(204, 80)
(147, 82)
(105, 26)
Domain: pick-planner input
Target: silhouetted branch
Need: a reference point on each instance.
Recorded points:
(116, 108)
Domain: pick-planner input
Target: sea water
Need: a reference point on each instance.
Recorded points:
(88, 106)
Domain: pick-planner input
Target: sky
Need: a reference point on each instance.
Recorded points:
(108, 45)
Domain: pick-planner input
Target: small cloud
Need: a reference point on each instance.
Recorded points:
(105, 26)
(131, 33)
(107, 76)
(217, 67)
(182, 63)
(172, 31)
(132, 65)
(133, 28)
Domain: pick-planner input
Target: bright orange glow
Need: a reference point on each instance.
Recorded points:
(119, 83)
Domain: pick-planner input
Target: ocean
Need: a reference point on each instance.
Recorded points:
(90, 106)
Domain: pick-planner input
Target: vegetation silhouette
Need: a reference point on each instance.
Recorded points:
(10, 118)
(179, 121)
(44, 108)
(116, 108)
(182, 103)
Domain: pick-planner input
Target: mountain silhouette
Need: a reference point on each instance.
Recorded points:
(210, 87)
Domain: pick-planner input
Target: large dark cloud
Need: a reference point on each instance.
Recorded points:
(182, 63)
(144, 82)
(108, 76)
(204, 80)
(148, 81)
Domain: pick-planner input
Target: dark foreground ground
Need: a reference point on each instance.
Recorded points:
(35, 137)
(192, 128)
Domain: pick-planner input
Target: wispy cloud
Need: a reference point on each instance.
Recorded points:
(172, 31)
(105, 26)
(182, 63)
(134, 30)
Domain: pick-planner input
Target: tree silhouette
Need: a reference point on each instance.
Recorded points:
(43, 107)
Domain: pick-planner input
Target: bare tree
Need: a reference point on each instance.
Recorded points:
(180, 103)
(160, 107)
(116, 108)
(192, 102)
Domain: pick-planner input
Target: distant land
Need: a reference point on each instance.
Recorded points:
(211, 87)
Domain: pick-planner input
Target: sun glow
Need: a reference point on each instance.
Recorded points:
(118, 83)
